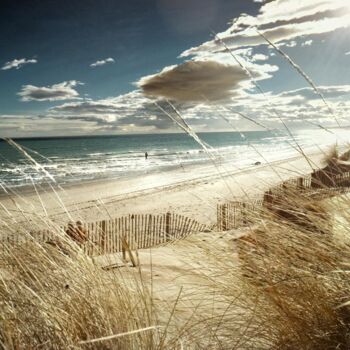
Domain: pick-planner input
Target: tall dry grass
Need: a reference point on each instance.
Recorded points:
(282, 282)
(51, 300)
(291, 284)
(299, 280)
(331, 156)
(56, 297)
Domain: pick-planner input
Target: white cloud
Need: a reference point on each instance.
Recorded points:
(280, 20)
(102, 62)
(300, 106)
(129, 112)
(17, 63)
(56, 92)
(291, 43)
(34, 125)
(307, 43)
(119, 106)
(134, 112)
(297, 107)
(347, 53)
(259, 57)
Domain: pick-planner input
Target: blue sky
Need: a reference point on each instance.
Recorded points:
(98, 67)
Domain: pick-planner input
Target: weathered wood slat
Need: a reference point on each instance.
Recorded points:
(118, 235)
(139, 231)
(156, 231)
(181, 224)
(149, 230)
(142, 231)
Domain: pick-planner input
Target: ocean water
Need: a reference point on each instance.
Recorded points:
(76, 159)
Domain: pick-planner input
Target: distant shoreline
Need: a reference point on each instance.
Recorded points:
(194, 193)
(129, 134)
(159, 133)
(29, 189)
(74, 161)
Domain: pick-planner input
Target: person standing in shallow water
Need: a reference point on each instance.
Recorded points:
(146, 155)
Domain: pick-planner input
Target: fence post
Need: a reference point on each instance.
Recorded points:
(224, 217)
(300, 182)
(123, 240)
(218, 218)
(167, 223)
(103, 236)
(244, 213)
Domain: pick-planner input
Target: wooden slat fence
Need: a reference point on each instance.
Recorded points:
(139, 230)
(318, 184)
(235, 214)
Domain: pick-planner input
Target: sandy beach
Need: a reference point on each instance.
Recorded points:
(193, 191)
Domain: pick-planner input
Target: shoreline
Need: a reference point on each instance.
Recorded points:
(193, 191)
(226, 168)
(29, 189)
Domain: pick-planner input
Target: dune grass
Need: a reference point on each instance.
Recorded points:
(52, 300)
(294, 282)
(301, 282)
(282, 282)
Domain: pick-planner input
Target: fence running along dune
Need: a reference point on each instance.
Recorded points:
(232, 215)
(138, 230)
(317, 185)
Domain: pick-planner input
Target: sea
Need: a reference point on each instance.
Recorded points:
(70, 160)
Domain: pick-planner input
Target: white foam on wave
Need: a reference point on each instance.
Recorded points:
(76, 167)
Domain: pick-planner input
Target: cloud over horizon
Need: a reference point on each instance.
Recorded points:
(135, 112)
(56, 92)
(115, 112)
(129, 111)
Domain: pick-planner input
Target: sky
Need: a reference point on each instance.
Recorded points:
(99, 67)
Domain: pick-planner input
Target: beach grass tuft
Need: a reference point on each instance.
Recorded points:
(55, 300)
